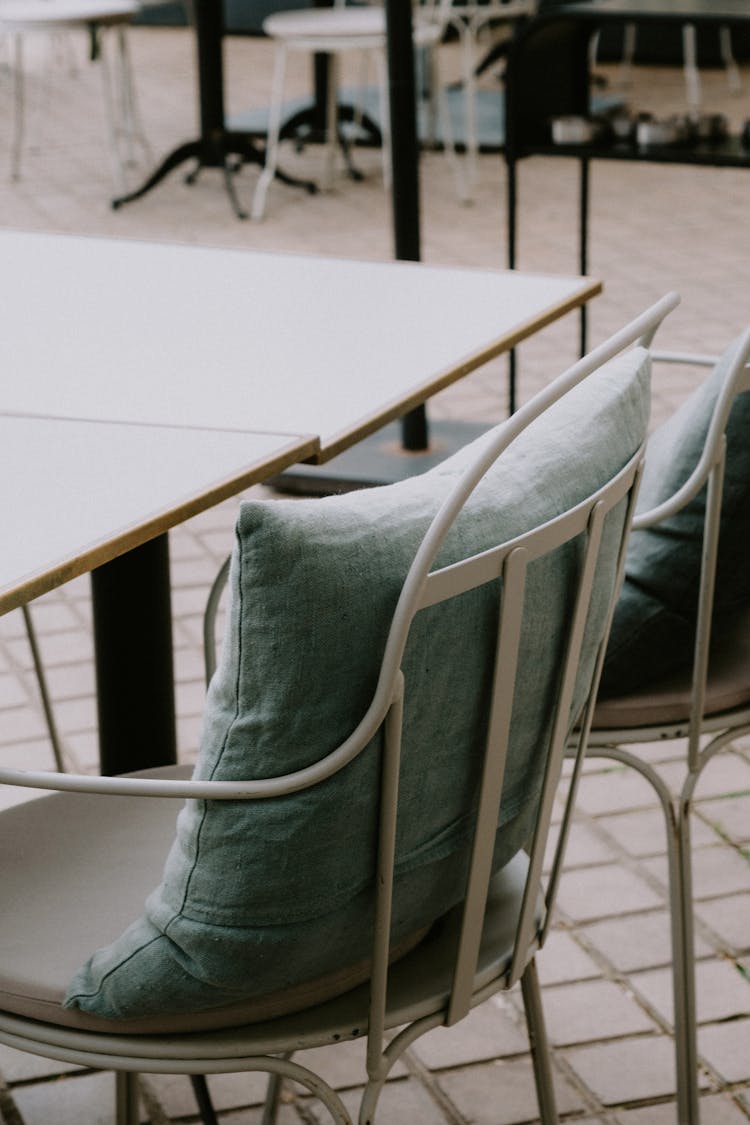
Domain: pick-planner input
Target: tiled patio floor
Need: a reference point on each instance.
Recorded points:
(605, 969)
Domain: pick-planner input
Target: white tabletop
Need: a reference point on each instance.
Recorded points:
(233, 339)
(74, 495)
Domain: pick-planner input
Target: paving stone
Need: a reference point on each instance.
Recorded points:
(588, 1010)
(562, 959)
(725, 773)
(626, 1070)
(12, 692)
(584, 848)
(644, 833)
(639, 941)
(730, 815)
(722, 991)
(730, 918)
(726, 1047)
(343, 1064)
(67, 681)
(613, 791)
(503, 1093)
(490, 1031)
(88, 1097)
(18, 1066)
(716, 871)
(598, 892)
(402, 1103)
(21, 724)
(228, 1091)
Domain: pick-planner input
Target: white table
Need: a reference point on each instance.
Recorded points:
(75, 495)
(100, 497)
(191, 373)
(187, 336)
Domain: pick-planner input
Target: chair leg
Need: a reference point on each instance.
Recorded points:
(126, 1085)
(439, 97)
(273, 1095)
(274, 130)
(727, 57)
(41, 680)
(203, 1098)
(686, 1017)
(385, 120)
(540, 1057)
(690, 66)
(19, 106)
(469, 44)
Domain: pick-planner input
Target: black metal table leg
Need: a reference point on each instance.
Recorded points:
(134, 665)
(215, 144)
(584, 241)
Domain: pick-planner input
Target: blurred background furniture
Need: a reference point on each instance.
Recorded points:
(548, 74)
(483, 29)
(99, 19)
(333, 32)
(689, 60)
(679, 659)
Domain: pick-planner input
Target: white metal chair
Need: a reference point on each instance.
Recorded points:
(481, 25)
(334, 32)
(706, 702)
(115, 833)
(97, 18)
(689, 61)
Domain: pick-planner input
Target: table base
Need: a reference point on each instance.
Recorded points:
(378, 459)
(213, 152)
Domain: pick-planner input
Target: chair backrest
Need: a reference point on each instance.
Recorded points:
(588, 575)
(685, 590)
(458, 685)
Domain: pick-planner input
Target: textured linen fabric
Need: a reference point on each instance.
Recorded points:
(654, 624)
(260, 895)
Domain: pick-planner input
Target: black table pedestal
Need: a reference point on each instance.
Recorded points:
(216, 145)
(213, 152)
(134, 669)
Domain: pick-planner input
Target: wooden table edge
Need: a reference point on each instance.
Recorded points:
(300, 447)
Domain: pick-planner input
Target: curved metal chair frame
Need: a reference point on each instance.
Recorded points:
(722, 727)
(462, 963)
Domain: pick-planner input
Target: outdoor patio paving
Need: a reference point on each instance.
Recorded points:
(605, 969)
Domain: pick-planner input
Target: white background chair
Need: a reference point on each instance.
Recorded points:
(98, 20)
(481, 26)
(334, 32)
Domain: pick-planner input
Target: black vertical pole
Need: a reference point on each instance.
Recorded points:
(512, 227)
(405, 167)
(134, 672)
(584, 241)
(209, 19)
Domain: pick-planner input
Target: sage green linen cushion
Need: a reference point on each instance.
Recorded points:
(654, 624)
(260, 895)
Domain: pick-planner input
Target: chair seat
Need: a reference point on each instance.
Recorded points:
(668, 702)
(92, 861)
(30, 14)
(336, 29)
